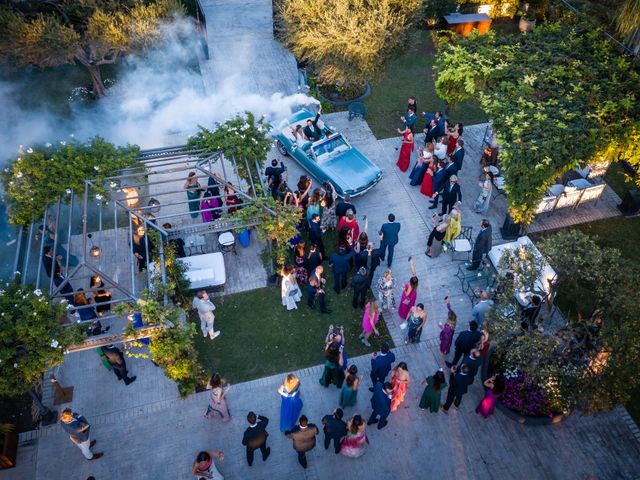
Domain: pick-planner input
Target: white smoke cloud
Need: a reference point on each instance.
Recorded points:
(158, 100)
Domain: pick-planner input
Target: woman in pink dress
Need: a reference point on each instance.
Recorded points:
(400, 380)
(494, 388)
(448, 329)
(209, 202)
(369, 322)
(404, 159)
(355, 443)
(409, 293)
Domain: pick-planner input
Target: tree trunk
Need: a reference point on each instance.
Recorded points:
(98, 86)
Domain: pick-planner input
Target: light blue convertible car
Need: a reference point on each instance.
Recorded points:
(332, 158)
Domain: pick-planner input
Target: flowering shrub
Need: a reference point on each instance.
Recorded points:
(523, 395)
(242, 137)
(31, 338)
(41, 175)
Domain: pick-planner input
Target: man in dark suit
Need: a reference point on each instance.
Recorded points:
(177, 242)
(312, 131)
(439, 120)
(255, 437)
(360, 285)
(334, 429)
(459, 382)
(304, 438)
(431, 132)
(343, 206)
(389, 238)
(373, 260)
(116, 360)
(473, 361)
(315, 289)
(458, 154)
(465, 342)
(340, 265)
(314, 259)
(381, 364)
(315, 233)
(381, 404)
(274, 176)
(482, 245)
(52, 265)
(450, 195)
(439, 179)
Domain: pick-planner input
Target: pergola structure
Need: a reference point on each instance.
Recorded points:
(99, 230)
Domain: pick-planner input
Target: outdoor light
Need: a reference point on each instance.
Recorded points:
(95, 250)
(155, 205)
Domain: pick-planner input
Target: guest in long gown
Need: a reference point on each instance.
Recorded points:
(386, 291)
(494, 388)
(349, 391)
(231, 200)
(360, 252)
(427, 187)
(290, 291)
(302, 274)
(217, 407)
(409, 292)
(432, 395)
(415, 323)
(447, 330)
(313, 206)
(404, 159)
(194, 191)
(350, 222)
(422, 163)
(455, 225)
(481, 205)
(291, 402)
(328, 220)
(400, 381)
(332, 367)
(369, 322)
(355, 443)
(454, 134)
(207, 204)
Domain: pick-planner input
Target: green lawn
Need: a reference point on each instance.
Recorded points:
(410, 74)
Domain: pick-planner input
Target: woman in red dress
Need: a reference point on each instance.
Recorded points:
(455, 133)
(427, 181)
(404, 159)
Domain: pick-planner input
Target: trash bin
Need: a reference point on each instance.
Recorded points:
(244, 237)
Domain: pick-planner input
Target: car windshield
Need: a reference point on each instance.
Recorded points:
(330, 148)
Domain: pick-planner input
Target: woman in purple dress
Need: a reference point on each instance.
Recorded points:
(409, 293)
(447, 330)
(494, 388)
(209, 202)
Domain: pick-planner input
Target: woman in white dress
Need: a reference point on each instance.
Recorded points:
(289, 288)
(482, 203)
(441, 149)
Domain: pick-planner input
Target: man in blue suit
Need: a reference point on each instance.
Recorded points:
(381, 404)
(381, 364)
(458, 154)
(389, 238)
(439, 120)
(449, 169)
(340, 265)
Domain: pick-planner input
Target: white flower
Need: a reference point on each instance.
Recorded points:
(78, 321)
(35, 314)
(113, 184)
(62, 142)
(99, 197)
(15, 365)
(68, 190)
(54, 343)
(19, 174)
(96, 168)
(38, 292)
(29, 150)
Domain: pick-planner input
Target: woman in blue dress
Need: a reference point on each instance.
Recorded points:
(291, 402)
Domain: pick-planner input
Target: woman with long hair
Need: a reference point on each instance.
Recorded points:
(432, 395)
(349, 391)
(360, 246)
(328, 220)
(217, 407)
(301, 271)
(400, 380)
(404, 159)
(447, 330)
(333, 362)
(313, 206)
(290, 291)
(291, 404)
(494, 388)
(355, 443)
(454, 133)
(369, 322)
(481, 205)
(204, 467)
(194, 191)
(415, 323)
(409, 292)
(386, 290)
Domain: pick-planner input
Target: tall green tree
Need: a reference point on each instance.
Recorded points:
(346, 40)
(90, 32)
(559, 97)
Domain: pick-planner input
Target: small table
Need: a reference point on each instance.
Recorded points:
(195, 243)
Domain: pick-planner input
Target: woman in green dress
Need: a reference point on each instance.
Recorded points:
(194, 190)
(431, 396)
(349, 392)
(333, 372)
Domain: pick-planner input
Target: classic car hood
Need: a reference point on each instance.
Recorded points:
(352, 170)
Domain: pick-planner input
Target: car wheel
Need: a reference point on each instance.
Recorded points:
(281, 148)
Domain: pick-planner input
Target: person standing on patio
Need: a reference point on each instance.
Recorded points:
(194, 191)
(205, 308)
(482, 245)
(386, 291)
(389, 238)
(291, 404)
(360, 286)
(356, 441)
(315, 289)
(481, 205)
(217, 407)
(400, 380)
(381, 364)
(290, 291)
(404, 159)
(115, 357)
(204, 467)
(447, 330)
(409, 292)
(369, 322)
(465, 342)
(304, 439)
(315, 234)
(255, 437)
(480, 309)
(334, 429)
(494, 388)
(381, 404)
(415, 323)
(432, 394)
(78, 429)
(450, 195)
(459, 382)
(340, 264)
(349, 391)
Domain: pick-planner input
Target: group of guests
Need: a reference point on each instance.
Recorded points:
(209, 203)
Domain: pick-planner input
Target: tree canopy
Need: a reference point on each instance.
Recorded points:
(90, 32)
(559, 97)
(346, 40)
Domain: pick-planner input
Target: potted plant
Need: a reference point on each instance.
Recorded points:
(8, 445)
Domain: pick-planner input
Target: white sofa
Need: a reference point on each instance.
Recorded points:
(205, 270)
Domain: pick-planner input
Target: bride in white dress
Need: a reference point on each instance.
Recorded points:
(289, 288)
